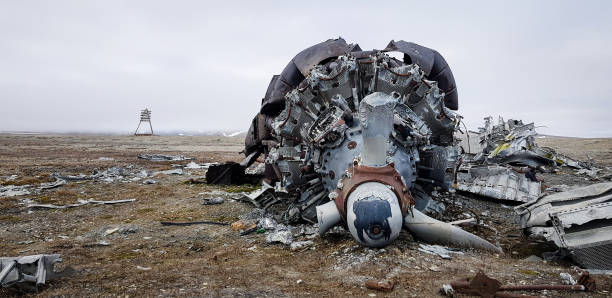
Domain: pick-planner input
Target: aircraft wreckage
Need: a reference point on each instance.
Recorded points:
(358, 138)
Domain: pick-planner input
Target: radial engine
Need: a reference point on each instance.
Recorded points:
(360, 138)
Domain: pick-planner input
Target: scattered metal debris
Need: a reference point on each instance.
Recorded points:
(20, 190)
(280, 236)
(263, 197)
(578, 220)
(301, 244)
(558, 188)
(14, 190)
(194, 166)
(22, 271)
(499, 183)
(108, 176)
(50, 185)
(484, 286)
(191, 223)
(163, 157)
(441, 251)
(213, 201)
(233, 173)
(168, 172)
(81, 202)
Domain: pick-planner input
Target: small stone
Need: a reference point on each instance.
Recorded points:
(143, 268)
(299, 281)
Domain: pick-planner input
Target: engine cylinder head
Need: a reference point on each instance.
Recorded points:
(376, 117)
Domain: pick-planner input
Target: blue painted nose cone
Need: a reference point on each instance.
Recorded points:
(374, 217)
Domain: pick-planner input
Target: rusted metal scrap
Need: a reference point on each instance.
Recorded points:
(385, 286)
(485, 286)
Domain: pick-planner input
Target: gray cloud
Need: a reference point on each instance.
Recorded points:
(91, 65)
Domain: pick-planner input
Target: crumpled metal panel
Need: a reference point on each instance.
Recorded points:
(499, 183)
(27, 271)
(578, 220)
(537, 213)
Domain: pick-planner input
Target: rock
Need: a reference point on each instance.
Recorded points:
(533, 258)
(149, 181)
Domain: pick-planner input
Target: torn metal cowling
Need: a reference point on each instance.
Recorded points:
(28, 271)
(499, 183)
(578, 220)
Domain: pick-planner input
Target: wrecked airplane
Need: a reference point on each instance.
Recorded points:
(351, 135)
(513, 142)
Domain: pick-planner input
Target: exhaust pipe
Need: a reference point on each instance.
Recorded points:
(432, 230)
(328, 216)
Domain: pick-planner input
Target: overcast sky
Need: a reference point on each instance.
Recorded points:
(92, 65)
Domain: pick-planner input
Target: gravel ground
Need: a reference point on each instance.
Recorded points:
(123, 250)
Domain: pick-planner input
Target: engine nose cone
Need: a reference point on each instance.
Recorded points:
(373, 214)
